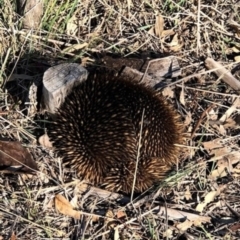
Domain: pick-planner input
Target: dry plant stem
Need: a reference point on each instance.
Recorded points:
(185, 79)
(201, 119)
(198, 27)
(138, 155)
(23, 131)
(28, 221)
(223, 73)
(233, 211)
(26, 33)
(206, 91)
(3, 113)
(3, 67)
(21, 53)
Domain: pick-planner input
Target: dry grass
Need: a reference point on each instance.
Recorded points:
(79, 30)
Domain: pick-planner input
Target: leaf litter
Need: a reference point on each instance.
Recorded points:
(207, 180)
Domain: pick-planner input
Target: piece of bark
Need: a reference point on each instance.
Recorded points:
(118, 63)
(223, 73)
(32, 11)
(155, 70)
(58, 82)
(14, 157)
(87, 190)
(162, 68)
(137, 76)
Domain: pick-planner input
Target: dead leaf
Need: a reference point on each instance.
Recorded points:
(14, 157)
(188, 119)
(168, 234)
(151, 31)
(230, 124)
(159, 25)
(182, 98)
(116, 234)
(188, 194)
(222, 130)
(213, 115)
(109, 213)
(75, 47)
(230, 110)
(161, 68)
(235, 49)
(168, 92)
(220, 153)
(72, 27)
(13, 236)
(237, 58)
(63, 206)
(208, 198)
(121, 214)
(226, 156)
(108, 220)
(44, 141)
(235, 227)
(185, 225)
(168, 32)
(175, 44)
(225, 163)
(74, 201)
(86, 60)
(189, 223)
(216, 143)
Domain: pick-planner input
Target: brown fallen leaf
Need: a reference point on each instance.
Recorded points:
(175, 45)
(237, 59)
(44, 141)
(168, 32)
(207, 199)
(72, 26)
(225, 165)
(235, 227)
(188, 194)
(13, 236)
(110, 215)
(210, 145)
(63, 206)
(182, 97)
(184, 226)
(121, 215)
(14, 157)
(168, 92)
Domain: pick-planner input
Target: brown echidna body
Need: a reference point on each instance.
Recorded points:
(98, 128)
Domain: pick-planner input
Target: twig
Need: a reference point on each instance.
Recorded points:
(201, 119)
(223, 73)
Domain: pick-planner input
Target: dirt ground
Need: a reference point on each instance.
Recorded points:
(201, 198)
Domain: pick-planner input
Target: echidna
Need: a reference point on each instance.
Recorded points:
(110, 125)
